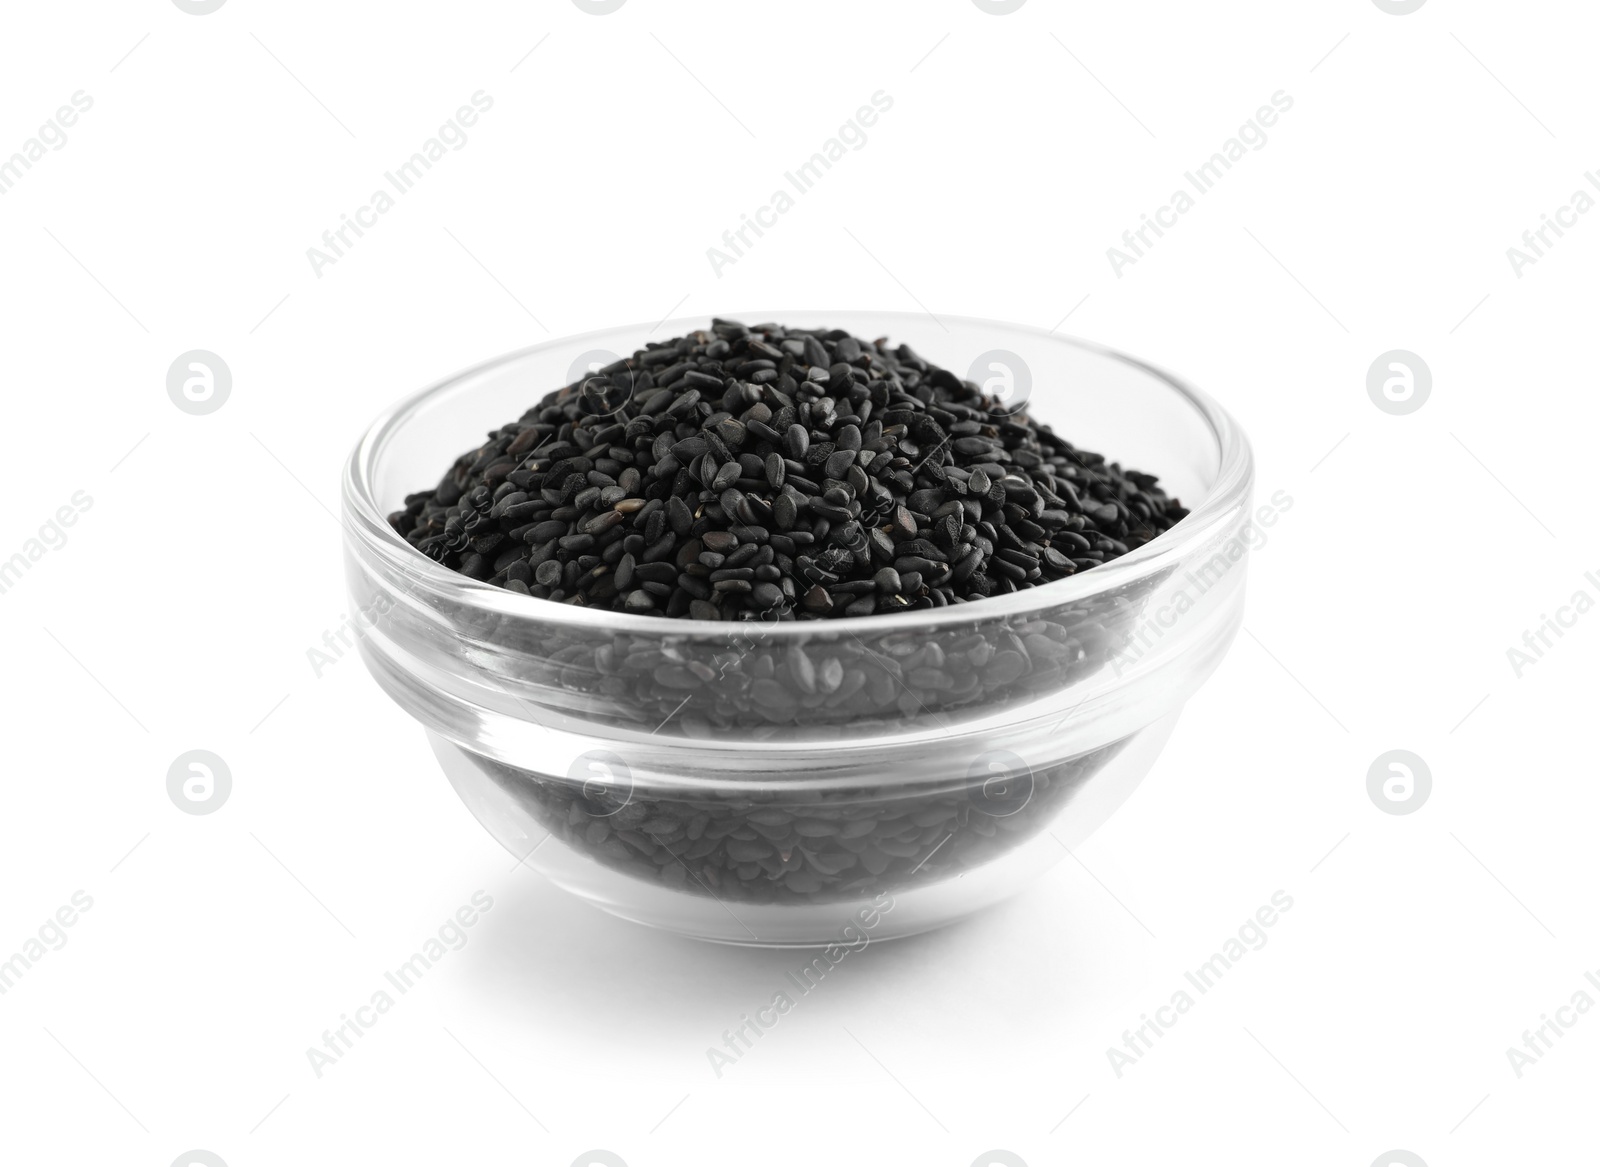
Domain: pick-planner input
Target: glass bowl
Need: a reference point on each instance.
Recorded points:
(822, 782)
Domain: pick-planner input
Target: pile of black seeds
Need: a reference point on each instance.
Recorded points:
(768, 473)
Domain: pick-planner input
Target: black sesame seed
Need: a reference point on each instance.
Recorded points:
(796, 441)
(785, 512)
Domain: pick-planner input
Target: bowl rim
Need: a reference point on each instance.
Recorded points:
(370, 526)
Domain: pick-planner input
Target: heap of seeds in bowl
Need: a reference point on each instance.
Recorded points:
(771, 473)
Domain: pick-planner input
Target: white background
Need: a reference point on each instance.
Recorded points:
(179, 613)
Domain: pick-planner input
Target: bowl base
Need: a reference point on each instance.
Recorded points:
(899, 905)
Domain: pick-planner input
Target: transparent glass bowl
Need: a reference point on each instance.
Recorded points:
(812, 782)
